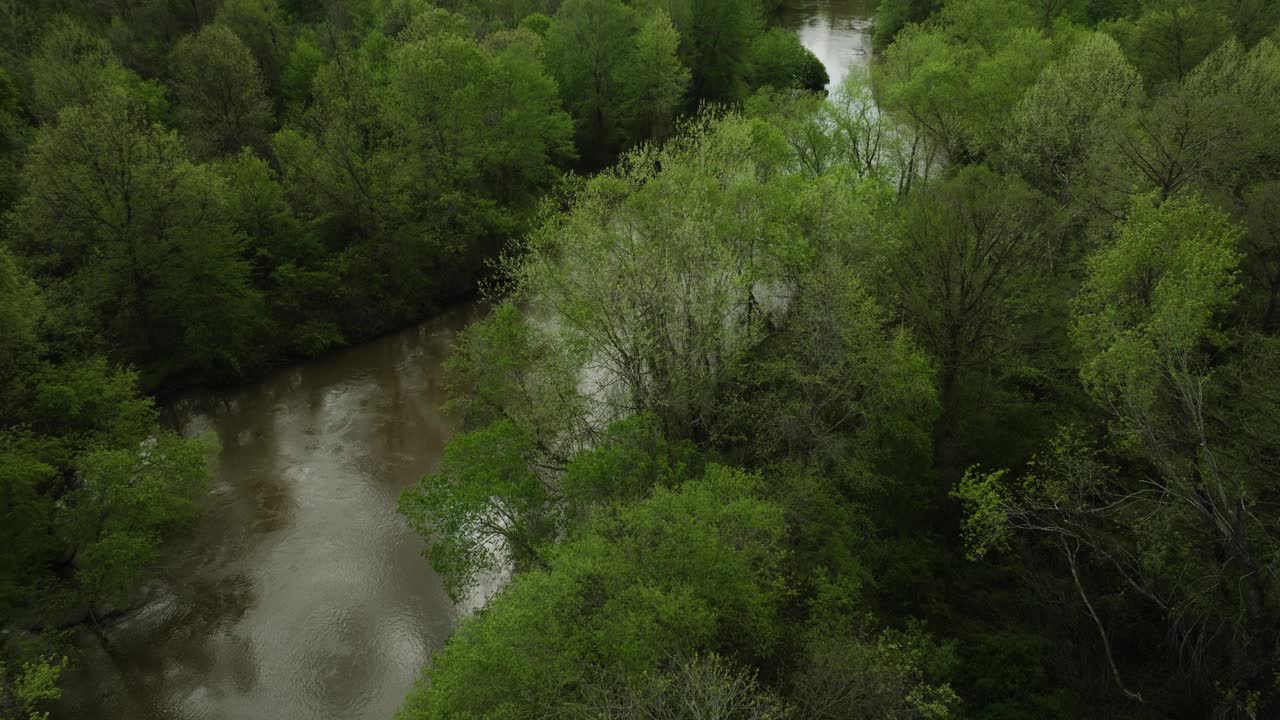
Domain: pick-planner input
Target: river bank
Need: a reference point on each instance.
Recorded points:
(302, 594)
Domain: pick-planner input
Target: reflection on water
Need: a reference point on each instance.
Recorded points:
(837, 31)
(302, 594)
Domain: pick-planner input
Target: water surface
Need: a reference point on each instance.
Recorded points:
(302, 594)
(837, 31)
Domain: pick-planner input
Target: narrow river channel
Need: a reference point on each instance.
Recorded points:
(302, 595)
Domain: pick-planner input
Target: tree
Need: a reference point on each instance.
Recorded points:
(585, 48)
(36, 682)
(1170, 38)
(1065, 116)
(20, 309)
(263, 27)
(489, 507)
(13, 141)
(135, 240)
(715, 42)
(839, 388)
(779, 60)
(1210, 131)
(653, 275)
(127, 502)
(687, 570)
(850, 672)
(656, 79)
(955, 81)
(503, 368)
(221, 101)
(70, 66)
(698, 686)
(963, 269)
(288, 261)
(1178, 523)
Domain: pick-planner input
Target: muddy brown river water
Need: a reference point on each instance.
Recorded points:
(302, 594)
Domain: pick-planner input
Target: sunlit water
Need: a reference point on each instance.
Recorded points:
(837, 31)
(302, 594)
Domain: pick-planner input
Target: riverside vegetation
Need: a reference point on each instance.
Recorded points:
(949, 394)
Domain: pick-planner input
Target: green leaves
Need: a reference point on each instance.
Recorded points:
(1148, 310)
(486, 507)
(688, 568)
(134, 239)
(221, 103)
(128, 501)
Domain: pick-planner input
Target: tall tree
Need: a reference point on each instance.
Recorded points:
(134, 239)
(221, 101)
(656, 79)
(586, 48)
(1180, 522)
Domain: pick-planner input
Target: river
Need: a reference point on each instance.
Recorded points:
(837, 31)
(302, 594)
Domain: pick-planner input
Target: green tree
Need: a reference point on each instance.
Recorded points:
(779, 60)
(1170, 38)
(489, 505)
(20, 309)
(841, 389)
(263, 27)
(715, 44)
(967, 268)
(654, 275)
(221, 103)
(656, 79)
(36, 682)
(70, 66)
(134, 239)
(585, 48)
(127, 502)
(1178, 523)
(956, 81)
(1065, 115)
(692, 569)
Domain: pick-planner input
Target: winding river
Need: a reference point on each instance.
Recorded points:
(302, 594)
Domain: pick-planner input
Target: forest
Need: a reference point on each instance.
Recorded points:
(949, 392)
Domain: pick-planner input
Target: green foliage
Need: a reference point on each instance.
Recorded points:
(848, 674)
(700, 686)
(778, 60)
(656, 79)
(1170, 38)
(485, 507)
(127, 501)
(219, 97)
(667, 255)
(618, 73)
(264, 28)
(843, 391)
(687, 570)
(70, 66)
(1152, 299)
(22, 692)
(715, 43)
(630, 459)
(137, 241)
(957, 80)
(1064, 116)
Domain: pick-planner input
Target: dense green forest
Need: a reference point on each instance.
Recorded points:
(950, 394)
